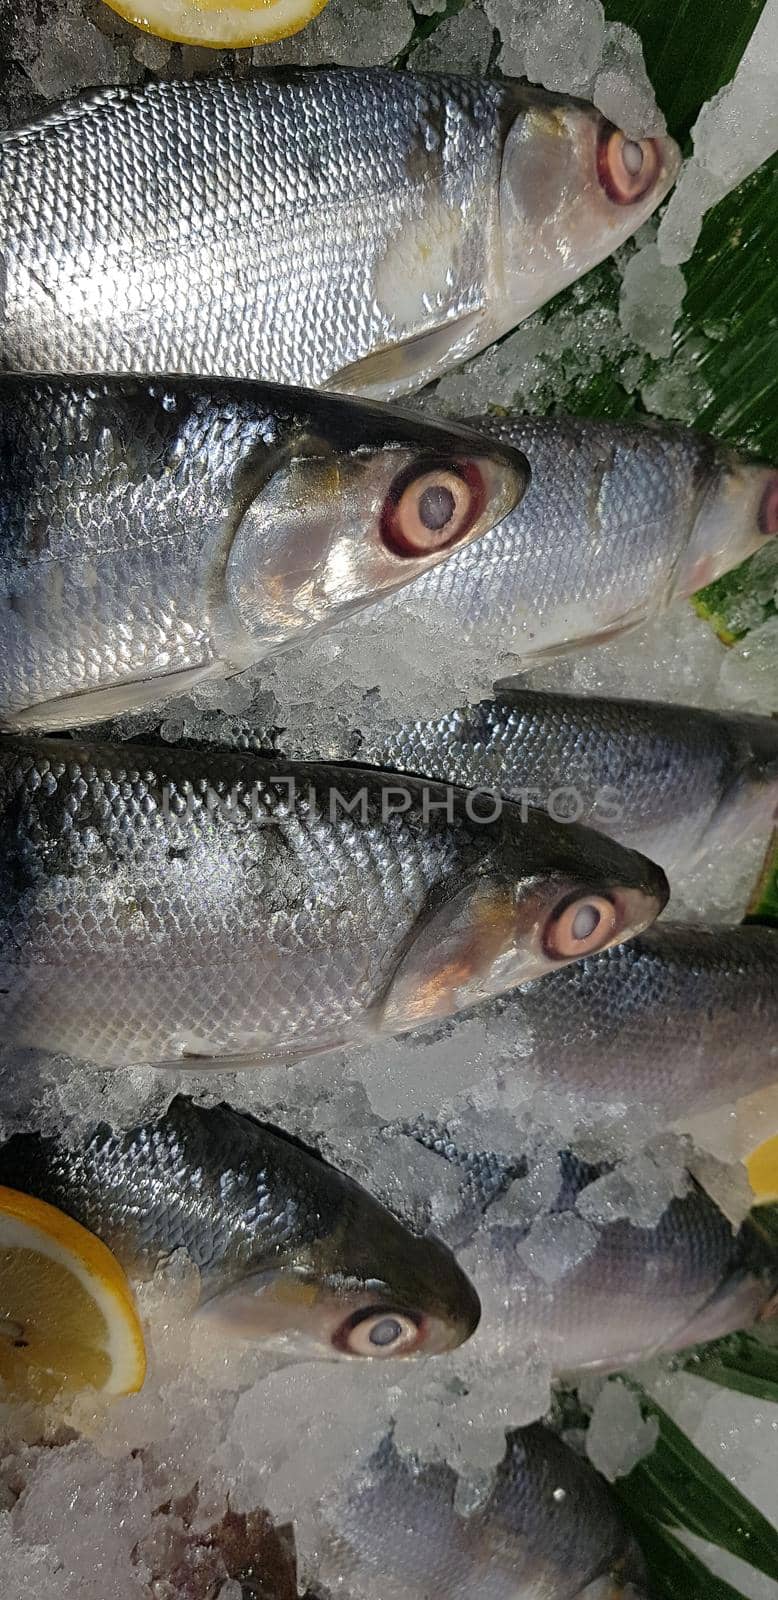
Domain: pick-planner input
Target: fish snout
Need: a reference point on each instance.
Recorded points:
(737, 517)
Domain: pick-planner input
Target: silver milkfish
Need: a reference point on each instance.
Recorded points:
(682, 1019)
(595, 1290)
(156, 534)
(370, 228)
(671, 780)
(547, 1530)
(163, 905)
(289, 1250)
(619, 520)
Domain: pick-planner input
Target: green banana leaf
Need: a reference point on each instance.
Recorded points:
(763, 906)
(690, 51)
(740, 1362)
(677, 1486)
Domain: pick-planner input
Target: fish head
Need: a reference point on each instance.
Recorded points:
(365, 1288)
(363, 501)
(572, 189)
(532, 906)
(737, 515)
(748, 802)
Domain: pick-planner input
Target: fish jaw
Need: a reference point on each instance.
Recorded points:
(738, 516)
(567, 199)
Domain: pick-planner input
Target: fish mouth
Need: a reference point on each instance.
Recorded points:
(643, 906)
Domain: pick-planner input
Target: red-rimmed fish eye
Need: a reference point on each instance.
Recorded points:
(627, 168)
(432, 507)
(767, 520)
(380, 1331)
(580, 925)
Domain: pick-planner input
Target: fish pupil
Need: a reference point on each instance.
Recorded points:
(436, 507)
(385, 1332)
(632, 156)
(585, 922)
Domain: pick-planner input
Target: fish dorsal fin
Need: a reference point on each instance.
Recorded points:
(403, 364)
(80, 107)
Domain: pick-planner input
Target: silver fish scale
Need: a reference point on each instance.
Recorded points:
(666, 767)
(230, 1192)
(710, 995)
(655, 1281)
(667, 779)
(548, 1527)
(243, 1200)
(200, 933)
(597, 537)
(267, 207)
(115, 503)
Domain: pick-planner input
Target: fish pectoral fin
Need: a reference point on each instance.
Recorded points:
(262, 1305)
(611, 630)
(404, 362)
(96, 705)
(257, 1054)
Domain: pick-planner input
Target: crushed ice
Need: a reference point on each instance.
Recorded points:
(131, 1497)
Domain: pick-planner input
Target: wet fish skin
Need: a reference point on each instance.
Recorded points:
(671, 780)
(164, 906)
(289, 1250)
(549, 1527)
(683, 1018)
(368, 227)
(635, 1292)
(154, 534)
(619, 520)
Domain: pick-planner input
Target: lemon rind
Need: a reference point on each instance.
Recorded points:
(211, 37)
(31, 1224)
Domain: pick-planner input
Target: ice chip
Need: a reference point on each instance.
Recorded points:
(618, 1435)
(640, 1190)
(651, 297)
(462, 43)
(556, 1245)
(622, 90)
(77, 54)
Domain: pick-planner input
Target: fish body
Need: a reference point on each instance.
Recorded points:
(682, 1018)
(547, 1530)
(289, 1250)
(619, 520)
(368, 228)
(599, 1293)
(671, 780)
(165, 906)
(155, 534)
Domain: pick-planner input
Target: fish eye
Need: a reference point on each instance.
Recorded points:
(430, 508)
(767, 520)
(579, 926)
(627, 168)
(380, 1331)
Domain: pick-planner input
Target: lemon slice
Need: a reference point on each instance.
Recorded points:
(67, 1315)
(220, 26)
(762, 1169)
